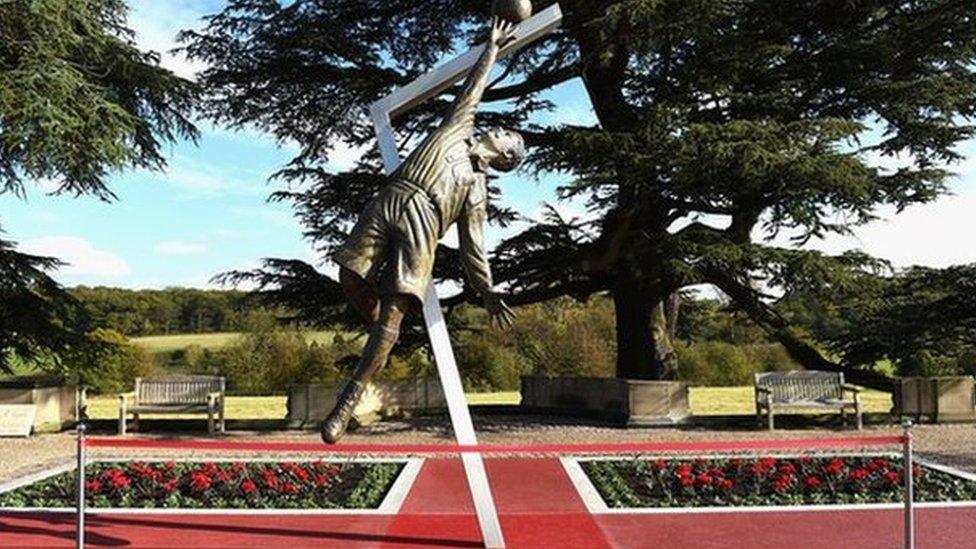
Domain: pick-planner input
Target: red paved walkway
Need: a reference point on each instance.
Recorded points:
(539, 509)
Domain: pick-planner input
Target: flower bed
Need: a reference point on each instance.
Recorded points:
(210, 485)
(766, 481)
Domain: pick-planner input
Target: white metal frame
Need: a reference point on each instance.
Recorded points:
(383, 112)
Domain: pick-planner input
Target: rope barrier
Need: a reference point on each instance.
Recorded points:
(595, 448)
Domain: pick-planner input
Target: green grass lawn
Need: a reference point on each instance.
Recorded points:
(704, 401)
(178, 342)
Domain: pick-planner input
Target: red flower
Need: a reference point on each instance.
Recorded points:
(683, 470)
(238, 467)
(858, 474)
(269, 478)
(716, 472)
(686, 480)
(835, 467)
(288, 488)
(704, 479)
(320, 480)
(169, 465)
(248, 486)
(787, 469)
(660, 465)
(725, 485)
(93, 485)
(768, 464)
(301, 474)
(222, 476)
(169, 486)
(200, 481)
(333, 470)
(893, 477)
(117, 479)
(209, 468)
(812, 482)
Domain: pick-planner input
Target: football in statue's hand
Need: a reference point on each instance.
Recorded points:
(515, 11)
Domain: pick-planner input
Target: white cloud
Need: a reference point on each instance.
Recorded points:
(179, 247)
(934, 235)
(156, 25)
(197, 179)
(80, 256)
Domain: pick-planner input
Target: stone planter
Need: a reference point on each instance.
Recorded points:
(936, 399)
(309, 404)
(56, 403)
(629, 401)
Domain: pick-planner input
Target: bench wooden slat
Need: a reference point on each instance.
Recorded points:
(802, 389)
(176, 395)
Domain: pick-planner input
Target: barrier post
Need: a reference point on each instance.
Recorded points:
(909, 477)
(80, 527)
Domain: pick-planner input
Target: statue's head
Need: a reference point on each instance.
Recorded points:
(503, 150)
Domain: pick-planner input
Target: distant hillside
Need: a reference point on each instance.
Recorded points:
(138, 313)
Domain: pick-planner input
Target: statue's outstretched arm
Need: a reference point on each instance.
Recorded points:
(463, 109)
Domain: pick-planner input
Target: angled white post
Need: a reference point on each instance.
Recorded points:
(383, 112)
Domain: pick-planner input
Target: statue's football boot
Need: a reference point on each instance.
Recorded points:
(336, 424)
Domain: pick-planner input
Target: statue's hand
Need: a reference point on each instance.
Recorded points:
(502, 32)
(500, 315)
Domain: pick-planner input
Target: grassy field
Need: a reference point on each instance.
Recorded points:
(171, 343)
(704, 401)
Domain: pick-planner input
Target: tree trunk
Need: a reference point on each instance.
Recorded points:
(644, 346)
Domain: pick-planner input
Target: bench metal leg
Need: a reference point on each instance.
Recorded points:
(210, 421)
(769, 418)
(135, 422)
(843, 416)
(857, 412)
(220, 416)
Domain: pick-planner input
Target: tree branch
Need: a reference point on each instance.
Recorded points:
(779, 329)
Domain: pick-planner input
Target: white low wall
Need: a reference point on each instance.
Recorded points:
(309, 404)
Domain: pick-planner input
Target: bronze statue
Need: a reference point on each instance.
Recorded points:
(385, 265)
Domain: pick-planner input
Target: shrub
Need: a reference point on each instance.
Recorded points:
(107, 362)
(715, 363)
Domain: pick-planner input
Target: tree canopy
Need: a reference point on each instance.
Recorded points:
(722, 124)
(78, 100)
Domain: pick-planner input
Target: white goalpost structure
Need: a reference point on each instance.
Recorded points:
(383, 112)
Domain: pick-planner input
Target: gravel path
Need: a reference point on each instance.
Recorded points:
(953, 445)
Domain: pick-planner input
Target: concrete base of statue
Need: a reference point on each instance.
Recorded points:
(309, 404)
(631, 402)
(936, 399)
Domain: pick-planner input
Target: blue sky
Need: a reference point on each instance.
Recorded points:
(207, 212)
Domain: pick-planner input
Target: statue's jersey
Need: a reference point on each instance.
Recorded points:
(395, 240)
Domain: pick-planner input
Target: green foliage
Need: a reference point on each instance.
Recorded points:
(173, 310)
(921, 319)
(70, 73)
(720, 364)
(78, 101)
(745, 110)
(106, 361)
(36, 314)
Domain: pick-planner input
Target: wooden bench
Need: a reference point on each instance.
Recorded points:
(805, 389)
(175, 395)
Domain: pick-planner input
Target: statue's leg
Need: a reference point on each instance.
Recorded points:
(382, 336)
(360, 294)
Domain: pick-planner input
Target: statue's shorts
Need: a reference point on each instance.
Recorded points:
(394, 242)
